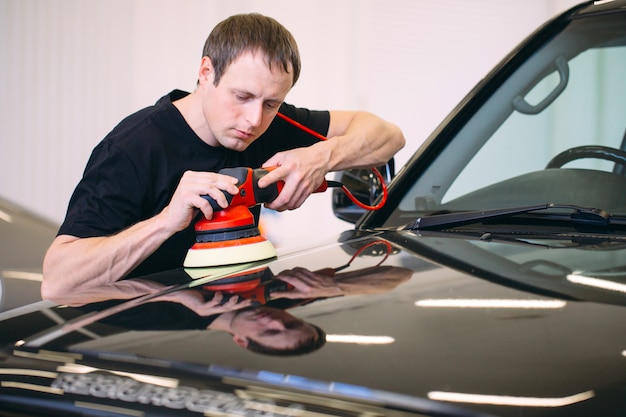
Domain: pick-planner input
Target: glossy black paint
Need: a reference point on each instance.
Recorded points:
(562, 351)
(25, 239)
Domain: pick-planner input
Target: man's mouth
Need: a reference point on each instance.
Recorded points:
(241, 134)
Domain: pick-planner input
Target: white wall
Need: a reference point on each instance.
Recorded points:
(71, 69)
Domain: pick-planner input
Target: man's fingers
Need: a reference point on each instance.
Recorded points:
(294, 193)
(195, 187)
(276, 174)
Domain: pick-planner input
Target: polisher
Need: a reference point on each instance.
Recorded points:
(231, 236)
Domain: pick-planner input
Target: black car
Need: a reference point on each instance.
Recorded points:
(25, 238)
(491, 283)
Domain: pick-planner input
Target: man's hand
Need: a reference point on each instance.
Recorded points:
(308, 284)
(216, 304)
(188, 197)
(302, 170)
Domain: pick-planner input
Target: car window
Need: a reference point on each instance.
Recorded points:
(590, 111)
(565, 101)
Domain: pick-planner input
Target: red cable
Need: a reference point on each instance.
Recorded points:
(343, 187)
(301, 126)
(369, 245)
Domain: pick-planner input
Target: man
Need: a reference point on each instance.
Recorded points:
(132, 212)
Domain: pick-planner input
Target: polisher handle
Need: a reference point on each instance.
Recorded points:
(269, 193)
(240, 174)
(250, 194)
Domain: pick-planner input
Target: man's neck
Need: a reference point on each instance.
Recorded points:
(190, 108)
(223, 321)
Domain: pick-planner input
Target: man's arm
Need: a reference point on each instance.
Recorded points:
(74, 264)
(195, 300)
(355, 140)
(361, 140)
(319, 284)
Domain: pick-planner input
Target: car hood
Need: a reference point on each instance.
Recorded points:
(29, 235)
(423, 327)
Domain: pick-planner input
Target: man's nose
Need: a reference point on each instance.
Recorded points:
(254, 114)
(275, 324)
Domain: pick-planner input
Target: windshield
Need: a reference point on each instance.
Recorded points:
(553, 132)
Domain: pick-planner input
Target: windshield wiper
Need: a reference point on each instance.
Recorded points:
(580, 215)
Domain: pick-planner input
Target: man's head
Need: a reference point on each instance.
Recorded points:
(249, 65)
(252, 33)
(273, 331)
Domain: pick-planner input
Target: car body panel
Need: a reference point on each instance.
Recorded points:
(523, 347)
(30, 236)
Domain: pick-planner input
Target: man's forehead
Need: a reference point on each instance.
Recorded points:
(258, 57)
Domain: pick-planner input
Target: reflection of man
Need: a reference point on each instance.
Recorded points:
(269, 330)
(260, 329)
(273, 331)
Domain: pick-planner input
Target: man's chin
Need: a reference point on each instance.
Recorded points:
(237, 146)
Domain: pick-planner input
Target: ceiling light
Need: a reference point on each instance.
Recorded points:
(490, 303)
(359, 340)
(597, 283)
(510, 400)
(31, 276)
(6, 217)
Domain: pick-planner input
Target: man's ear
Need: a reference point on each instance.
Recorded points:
(206, 72)
(241, 341)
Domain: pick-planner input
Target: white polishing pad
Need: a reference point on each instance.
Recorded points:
(236, 254)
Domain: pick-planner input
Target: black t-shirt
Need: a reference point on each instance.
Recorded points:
(159, 315)
(133, 173)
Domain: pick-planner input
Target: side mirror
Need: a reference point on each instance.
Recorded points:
(364, 185)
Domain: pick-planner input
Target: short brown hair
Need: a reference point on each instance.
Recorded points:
(251, 32)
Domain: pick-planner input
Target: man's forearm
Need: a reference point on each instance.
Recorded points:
(73, 264)
(361, 140)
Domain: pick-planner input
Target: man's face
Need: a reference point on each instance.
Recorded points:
(271, 327)
(244, 103)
